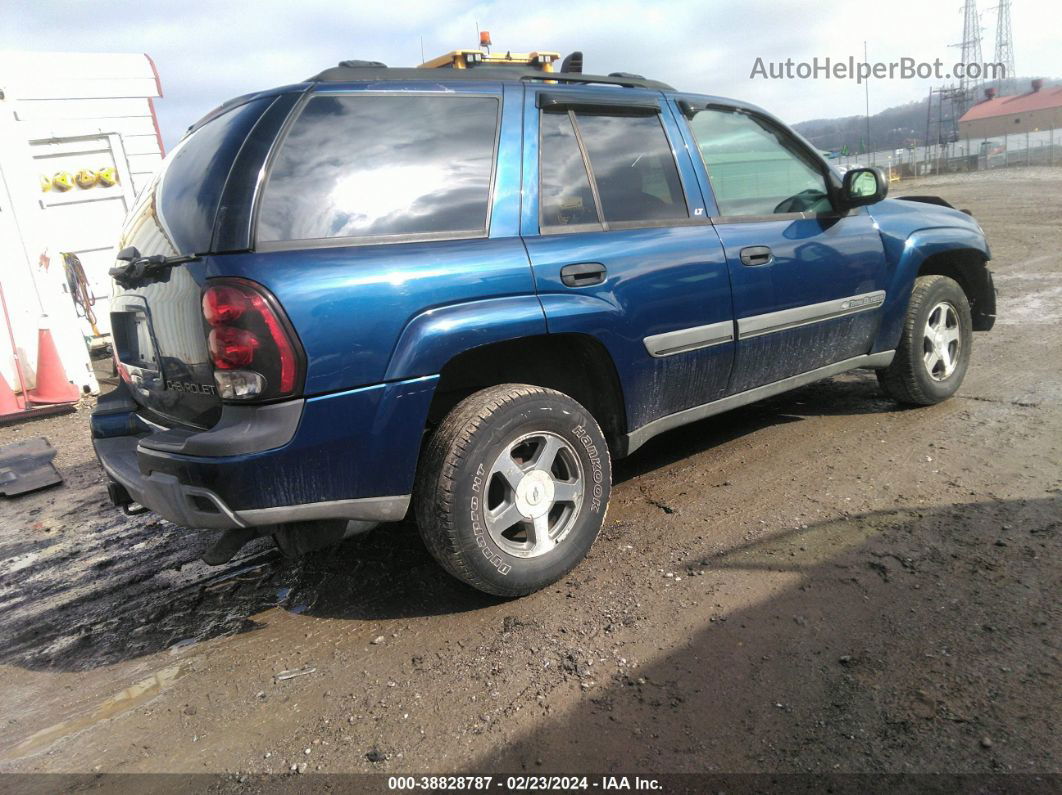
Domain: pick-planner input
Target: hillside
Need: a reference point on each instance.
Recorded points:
(891, 128)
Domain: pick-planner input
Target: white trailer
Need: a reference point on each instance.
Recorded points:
(63, 115)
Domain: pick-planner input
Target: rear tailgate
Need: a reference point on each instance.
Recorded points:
(159, 336)
(161, 349)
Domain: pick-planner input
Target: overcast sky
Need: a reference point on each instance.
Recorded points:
(210, 50)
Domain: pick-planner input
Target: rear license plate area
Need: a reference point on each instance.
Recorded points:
(133, 344)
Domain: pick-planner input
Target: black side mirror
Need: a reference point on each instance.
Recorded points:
(863, 186)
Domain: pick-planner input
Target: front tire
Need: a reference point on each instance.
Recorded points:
(512, 488)
(934, 351)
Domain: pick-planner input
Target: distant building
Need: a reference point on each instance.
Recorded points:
(1039, 109)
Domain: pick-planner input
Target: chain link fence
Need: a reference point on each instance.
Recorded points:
(1038, 148)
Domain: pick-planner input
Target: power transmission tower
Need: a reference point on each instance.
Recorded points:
(942, 116)
(1004, 53)
(969, 87)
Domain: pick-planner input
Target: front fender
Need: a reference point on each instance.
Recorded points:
(905, 257)
(434, 337)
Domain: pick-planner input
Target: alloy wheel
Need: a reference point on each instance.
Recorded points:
(534, 494)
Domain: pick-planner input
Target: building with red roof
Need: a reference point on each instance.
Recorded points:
(1039, 109)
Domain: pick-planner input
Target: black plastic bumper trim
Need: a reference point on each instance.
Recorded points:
(241, 430)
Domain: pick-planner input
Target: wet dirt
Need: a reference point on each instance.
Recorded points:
(820, 582)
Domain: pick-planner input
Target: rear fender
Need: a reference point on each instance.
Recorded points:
(650, 386)
(434, 337)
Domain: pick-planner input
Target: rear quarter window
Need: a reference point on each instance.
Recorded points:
(374, 167)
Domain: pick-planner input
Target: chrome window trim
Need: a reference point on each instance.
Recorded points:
(561, 229)
(722, 220)
(367, 240)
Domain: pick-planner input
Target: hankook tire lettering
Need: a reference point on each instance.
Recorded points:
(595, 463)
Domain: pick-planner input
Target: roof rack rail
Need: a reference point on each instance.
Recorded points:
(374, 72)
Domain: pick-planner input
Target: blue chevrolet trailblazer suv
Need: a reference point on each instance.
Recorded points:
(463, 294)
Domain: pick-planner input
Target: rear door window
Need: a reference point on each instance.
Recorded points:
(375, 167)
(564, 184)
(632, 178)
(637, 179)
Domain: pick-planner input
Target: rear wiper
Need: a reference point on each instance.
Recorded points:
(138, 267)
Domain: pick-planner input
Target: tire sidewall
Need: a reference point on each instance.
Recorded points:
(941, 290)
(540, 412)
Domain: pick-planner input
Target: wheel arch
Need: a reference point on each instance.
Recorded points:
(959, 253)
(434, 337)
(576, 364)
(968, 267)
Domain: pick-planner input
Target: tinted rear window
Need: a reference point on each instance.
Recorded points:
(381, 166)
(636, 174)
(564, 191)
(175, 213)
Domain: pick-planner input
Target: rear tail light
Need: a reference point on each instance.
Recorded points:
(223, 304)
(254, 349)
(232, 347)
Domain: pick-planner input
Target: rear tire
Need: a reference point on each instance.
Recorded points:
(934, 351)
(512, 488)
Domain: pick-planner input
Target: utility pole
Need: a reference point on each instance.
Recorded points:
(866, 88)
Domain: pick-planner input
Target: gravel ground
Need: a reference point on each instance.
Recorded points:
(822, 582)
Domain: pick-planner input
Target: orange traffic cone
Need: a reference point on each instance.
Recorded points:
(9, 404)
(52, 383)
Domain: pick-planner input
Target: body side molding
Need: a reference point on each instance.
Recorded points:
(689, 339)
(812, 313)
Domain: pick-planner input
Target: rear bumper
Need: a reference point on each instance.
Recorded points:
(195, 506)
(350, 455)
